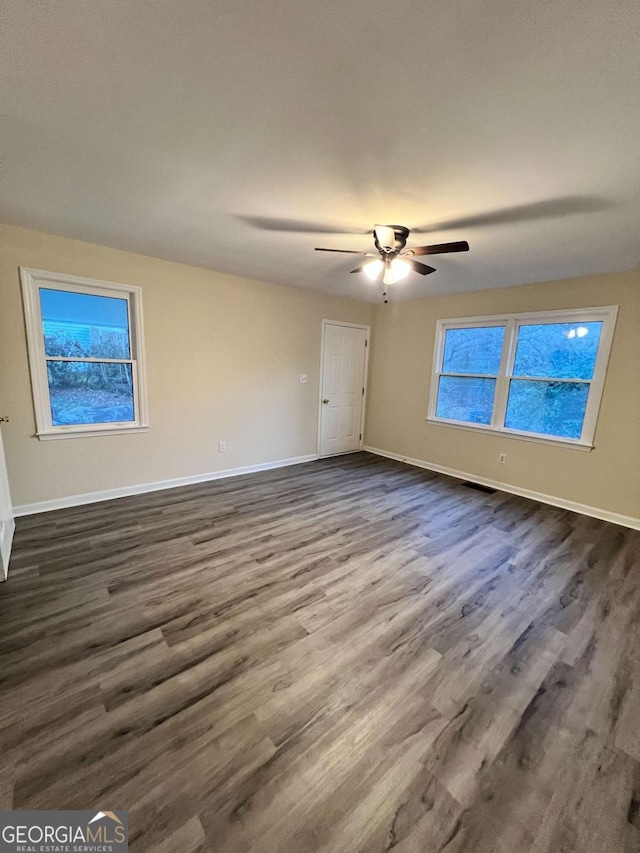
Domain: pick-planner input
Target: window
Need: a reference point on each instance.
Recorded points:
(86, 355)
(534, 375)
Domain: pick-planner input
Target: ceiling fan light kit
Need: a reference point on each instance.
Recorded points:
(385, 237)
(373, 269)
(400, 268)
(395, 261)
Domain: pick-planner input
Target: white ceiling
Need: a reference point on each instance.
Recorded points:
(160, 126)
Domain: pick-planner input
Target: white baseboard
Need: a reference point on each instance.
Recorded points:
(142, 488)
(561, 503)
(127, 491)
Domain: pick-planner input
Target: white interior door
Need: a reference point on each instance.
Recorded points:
(342, 398)
(7, 524)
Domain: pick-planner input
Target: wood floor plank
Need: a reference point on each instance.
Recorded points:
(189, 838)
(346, 655)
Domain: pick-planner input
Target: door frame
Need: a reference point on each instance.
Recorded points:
(8, 530)
(365, 378)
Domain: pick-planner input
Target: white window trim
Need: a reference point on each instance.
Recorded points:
(605, 314)
(32, 280)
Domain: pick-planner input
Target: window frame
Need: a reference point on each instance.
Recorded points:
(512, 323)
(32, 280)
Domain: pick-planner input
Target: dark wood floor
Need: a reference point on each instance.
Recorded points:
(348, 655)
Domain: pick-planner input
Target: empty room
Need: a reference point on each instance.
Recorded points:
(320, 427)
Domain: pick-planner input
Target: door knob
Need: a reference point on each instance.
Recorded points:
(325, 402)
(4, 420)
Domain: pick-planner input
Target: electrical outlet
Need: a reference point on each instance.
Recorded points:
(502, 457)
(222, 447)
(303, 378)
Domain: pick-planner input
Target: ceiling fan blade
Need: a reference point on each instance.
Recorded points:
(423, 269)
(440, 248)
(548, 208)
(358, 269)
(344, 251)
(267, 223)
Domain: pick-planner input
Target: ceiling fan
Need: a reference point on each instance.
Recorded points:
(395, 261)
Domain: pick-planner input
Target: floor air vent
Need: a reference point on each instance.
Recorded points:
(479, 488)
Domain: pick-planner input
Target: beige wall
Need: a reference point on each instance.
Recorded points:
(224, 357)
(607, 478)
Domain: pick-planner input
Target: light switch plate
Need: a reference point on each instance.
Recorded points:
(303, 378)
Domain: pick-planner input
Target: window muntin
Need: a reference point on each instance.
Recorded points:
(470, 367)
(544, 380)
(559, 351)
(86, 355)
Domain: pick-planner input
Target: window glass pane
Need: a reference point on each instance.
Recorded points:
(562, 350)
(473, 350)
(463, 399)
(90, 392)
(79, 325)
(551, 408)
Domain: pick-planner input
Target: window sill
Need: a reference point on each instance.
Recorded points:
(74, 432)
(520, 436)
